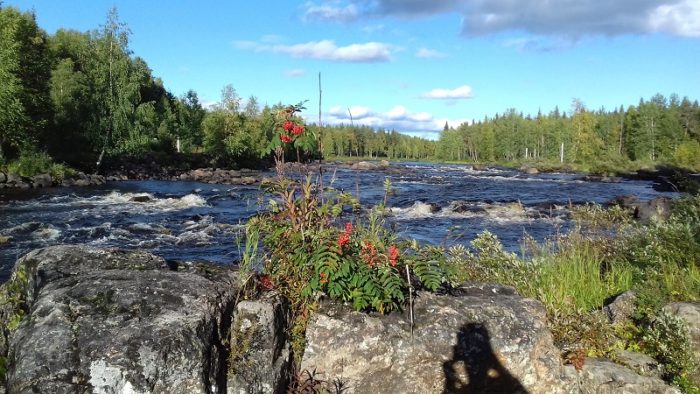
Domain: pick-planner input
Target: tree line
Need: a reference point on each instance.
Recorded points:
(84, 96)
(658, 130)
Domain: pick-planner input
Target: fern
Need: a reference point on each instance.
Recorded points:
(429, 273)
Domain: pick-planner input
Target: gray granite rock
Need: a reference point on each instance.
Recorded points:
(42, 180)
(110, 321)
(260, 360)
(487, 339)
(602, 376)
(621, 308)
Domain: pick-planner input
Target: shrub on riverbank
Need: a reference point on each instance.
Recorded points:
(34, 163)
(605, 254)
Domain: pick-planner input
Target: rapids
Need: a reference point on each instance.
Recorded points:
(435, 203)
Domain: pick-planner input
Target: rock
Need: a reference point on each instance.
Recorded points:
(201, 174)
(3, 177)
(109, 321)
(487, 339)
(627, 202)
(621, 308)
(81, 182)
(465, 207)
(638, 362)
(13, 178)
(370, 165)
(689, 312)
(248, 180)
(97, 179)
(657, 209)
(529, 169)
(260, 360)
(141, 198)
(364, 166)
(605, 377)
(42, 180)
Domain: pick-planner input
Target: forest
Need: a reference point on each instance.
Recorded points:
(80, 98)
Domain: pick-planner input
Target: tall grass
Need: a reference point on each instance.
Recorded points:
(576, 277)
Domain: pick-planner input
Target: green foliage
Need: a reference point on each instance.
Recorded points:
(306, 255)
(604, 255)
(668, 340)
(576, 277)
(656, 131)
(34, 163)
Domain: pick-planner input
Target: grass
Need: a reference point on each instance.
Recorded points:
(575, 277)
(605, 254)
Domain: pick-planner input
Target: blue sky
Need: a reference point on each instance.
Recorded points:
(411, 65)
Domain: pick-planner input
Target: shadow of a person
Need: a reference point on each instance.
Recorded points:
(474, 367)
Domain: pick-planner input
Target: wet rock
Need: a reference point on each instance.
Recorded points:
(109, 321)
(621, 308)
(260, 358)
(657, 209)
(605, 377)
(487, 339)
(479, 167)
(141, 198)
(465, 207)
(689, 312)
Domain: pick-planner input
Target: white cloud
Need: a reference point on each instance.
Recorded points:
(459, 93)
(330, 11)
(297, 72)
(398, 118)
(425, 53)
(370, 52)
(682, 18)
(568, 19)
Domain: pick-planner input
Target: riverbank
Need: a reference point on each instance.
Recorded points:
(198, 167)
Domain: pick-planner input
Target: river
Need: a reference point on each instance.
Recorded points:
(190, 221)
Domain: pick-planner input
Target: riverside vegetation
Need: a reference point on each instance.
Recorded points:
(316, 244)
(57, 91)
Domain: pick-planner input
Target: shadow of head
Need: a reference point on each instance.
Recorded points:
(474, 368)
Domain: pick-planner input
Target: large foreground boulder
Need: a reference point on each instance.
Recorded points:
(487, 339)
(109, 321)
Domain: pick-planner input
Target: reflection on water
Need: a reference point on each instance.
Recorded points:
(193, 221)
